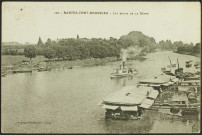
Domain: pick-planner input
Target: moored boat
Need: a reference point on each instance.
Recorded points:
(22, 71)
(159, 82)
(188, 63)
(129, 102)
(42, 69)
(181, 103)
(3, 74)
(69, 67)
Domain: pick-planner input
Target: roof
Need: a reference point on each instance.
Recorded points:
(147, 103)
(128, 95)
(158, 79)
(191, 81)
(153, 94)
(110, 107)
(123, 108)
(175, 79)
(129, 108)
(182, 88)
(182, 97)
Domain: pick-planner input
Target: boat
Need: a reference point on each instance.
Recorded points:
(171, 65)
(42, 69)
(22, 71)
(128, 102)
(188, 63)
(186, 75)
(188, 83)
(69, 67)
(168, 70)
(179, 108)
(195, 77)
(197, 65)
(123, 72)
(159, 82)
(3, 74)
(182, 103)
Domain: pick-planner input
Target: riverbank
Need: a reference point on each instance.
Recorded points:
(19, 62)
(188, 53)
(10, 63)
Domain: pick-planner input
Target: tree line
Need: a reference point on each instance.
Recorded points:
(82, 48)
(180, 47)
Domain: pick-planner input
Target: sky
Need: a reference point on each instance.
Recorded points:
(27, 21)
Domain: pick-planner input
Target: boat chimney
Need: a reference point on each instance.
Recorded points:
(123, 64)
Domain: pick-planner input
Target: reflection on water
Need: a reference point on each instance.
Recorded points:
(143, 125)
(65, 100)
(122, 81)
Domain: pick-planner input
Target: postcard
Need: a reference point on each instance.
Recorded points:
(101, 67)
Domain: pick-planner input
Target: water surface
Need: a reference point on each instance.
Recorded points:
(65, 100)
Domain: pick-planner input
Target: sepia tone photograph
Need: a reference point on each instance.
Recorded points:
(101, 67)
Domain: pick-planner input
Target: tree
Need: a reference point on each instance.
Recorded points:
(40, 43)
(49, 43)
(71, 53)
(49, 53)
(30, 52)
(60, 52)
(98, 51)
(83, 52)
(197, 48)
(177, 44)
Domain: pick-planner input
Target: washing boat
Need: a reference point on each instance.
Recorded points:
(159, 82)
(187, 104)
(189, 83)
(123, 72)
(128, 102)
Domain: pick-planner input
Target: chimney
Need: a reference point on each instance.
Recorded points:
(123, 64)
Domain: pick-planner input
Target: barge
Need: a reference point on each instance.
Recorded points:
(159, 82)
(129, 102)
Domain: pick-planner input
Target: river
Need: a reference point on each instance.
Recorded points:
(65, 100)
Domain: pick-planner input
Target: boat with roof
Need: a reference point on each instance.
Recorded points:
(129, 102)
(123, 71)
(159, 82)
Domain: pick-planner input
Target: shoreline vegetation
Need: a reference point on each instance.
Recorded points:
(68, 52)
(10, 63)
(188, 53)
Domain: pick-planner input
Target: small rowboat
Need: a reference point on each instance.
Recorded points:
(3, 74)
(22, 71)
(42, 69)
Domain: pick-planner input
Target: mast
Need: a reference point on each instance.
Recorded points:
(178, 64)
(170, 60)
